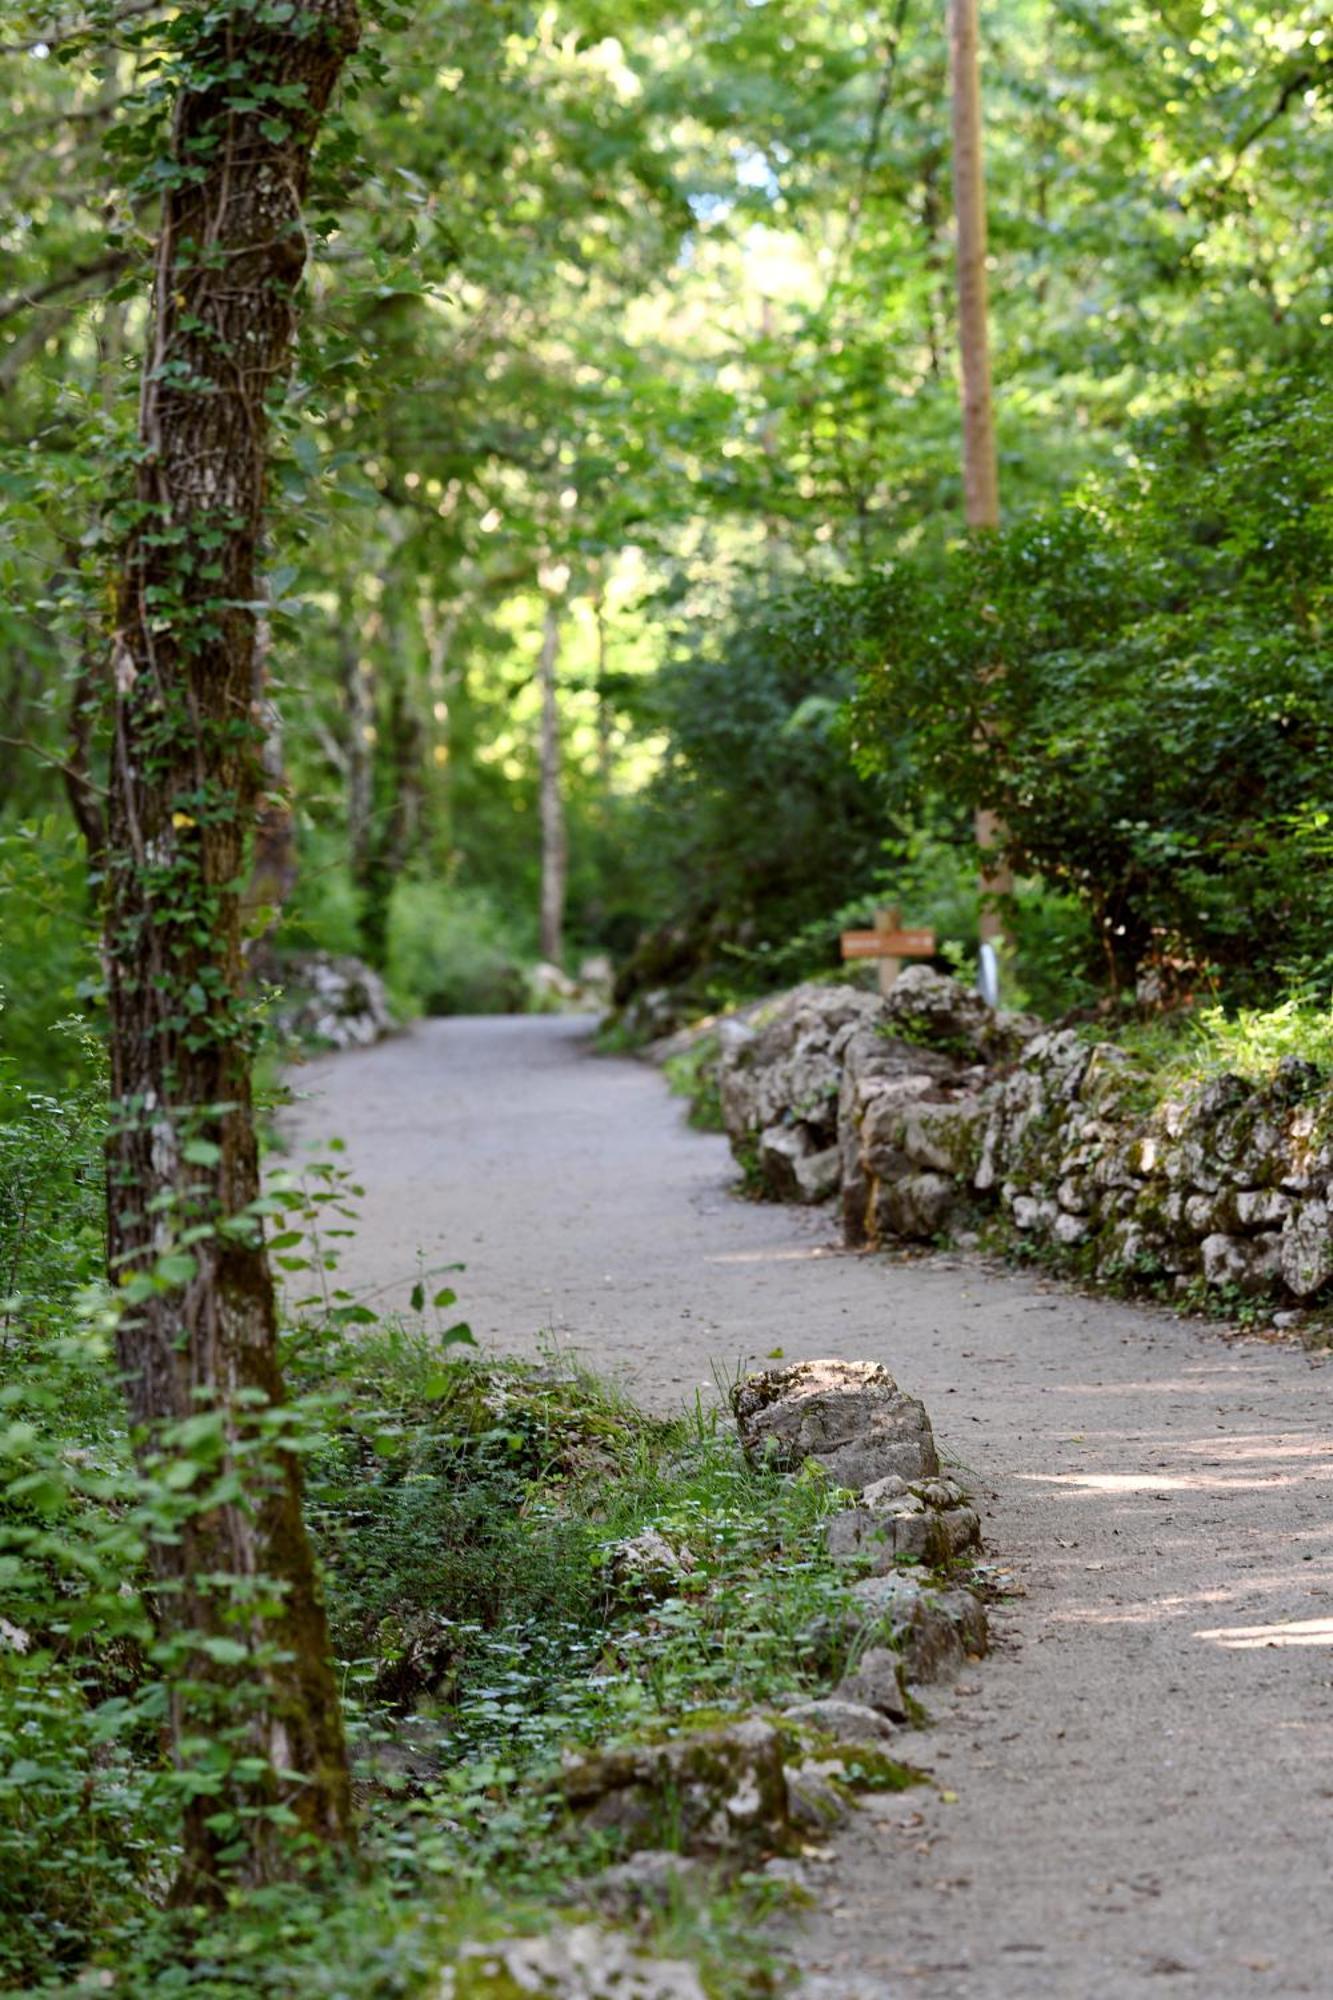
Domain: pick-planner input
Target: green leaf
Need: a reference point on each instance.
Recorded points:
(227, 1652)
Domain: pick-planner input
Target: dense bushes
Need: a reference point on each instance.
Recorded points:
(1141, 682)
(466, 1514)
(760, 826)
(452, 951)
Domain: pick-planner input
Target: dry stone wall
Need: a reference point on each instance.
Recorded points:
(927, 1114)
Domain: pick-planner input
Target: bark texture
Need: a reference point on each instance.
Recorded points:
(555, 857)
(185, 777)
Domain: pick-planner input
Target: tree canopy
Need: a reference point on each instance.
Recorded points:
(482, 484)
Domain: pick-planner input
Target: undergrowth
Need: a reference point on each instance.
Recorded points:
(466, 1512)
(1179, 1051)
(693, 1075)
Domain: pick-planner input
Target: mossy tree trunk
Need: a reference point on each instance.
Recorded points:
(255, 1720)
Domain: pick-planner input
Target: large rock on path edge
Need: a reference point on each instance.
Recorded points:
(850, 1417)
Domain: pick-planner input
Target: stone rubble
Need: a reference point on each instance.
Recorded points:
(943, 1114)
(755, 1791)
(851, 1418)
(332, 1003)
(574, 1962)
(647, 1566)
(930, 1522)
(719, 1790)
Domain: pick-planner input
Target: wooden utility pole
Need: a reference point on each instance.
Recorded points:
(981, 488)
(981, 491)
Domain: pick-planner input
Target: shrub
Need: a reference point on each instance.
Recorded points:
(451, 951)
(1144, 693)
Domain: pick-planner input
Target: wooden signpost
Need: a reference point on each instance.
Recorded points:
(890, 944)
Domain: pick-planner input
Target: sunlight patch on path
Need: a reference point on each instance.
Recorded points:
(1246, 1638)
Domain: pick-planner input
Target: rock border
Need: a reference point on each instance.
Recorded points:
(930, 1116)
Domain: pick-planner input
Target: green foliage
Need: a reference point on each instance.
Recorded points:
(1140, 684)
(764, 826)
(1181, 1050)
(52, 1202)
(48, 958)
(452, 951)
(465, 1513)
(86, 1818)
(693, 1075)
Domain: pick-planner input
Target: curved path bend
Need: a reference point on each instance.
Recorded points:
(1134, 1796)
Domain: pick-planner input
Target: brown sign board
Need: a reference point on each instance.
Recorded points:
(888, 944)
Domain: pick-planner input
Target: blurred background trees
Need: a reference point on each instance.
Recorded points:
(660, 297)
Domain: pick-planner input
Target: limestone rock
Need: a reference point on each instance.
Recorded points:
(943, 1136)
(877, 1681)
(1253, 1264)
(934, 1630)
(930, 1522)
(789, 1068)
(881, 1081)
(1306, 1249)
(338, 1003)
(1262, 1208)
(647, 1566)
(849, 1416)
(813, 1799)
(575, 1962)
(928, 1007)
(925, 1108)
(795, 1166)
(652, 1879)
(917, 1207)
(845, 1721)
(720, 1790)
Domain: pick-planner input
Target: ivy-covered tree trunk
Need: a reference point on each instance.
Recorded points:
(255, 1720)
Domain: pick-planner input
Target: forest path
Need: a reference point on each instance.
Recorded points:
(1144, 1769)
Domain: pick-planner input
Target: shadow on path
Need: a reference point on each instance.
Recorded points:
(1144, 1770)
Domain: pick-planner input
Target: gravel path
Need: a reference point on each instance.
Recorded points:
(1134, 1796)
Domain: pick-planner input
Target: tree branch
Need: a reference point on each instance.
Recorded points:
(110, 264)
(89, 29)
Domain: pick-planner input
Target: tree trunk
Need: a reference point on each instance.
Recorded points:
(554, 847)
(605, 714)
(359, 699)
(254, 1712)
(395, 818)
(981, 489)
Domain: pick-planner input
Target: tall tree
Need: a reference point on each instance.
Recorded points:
(555, 847)
(981, 486)
(237, 1599)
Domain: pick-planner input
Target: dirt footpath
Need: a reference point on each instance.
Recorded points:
(1134, 1795)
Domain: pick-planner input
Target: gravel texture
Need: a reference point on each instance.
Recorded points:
(1134, 1795)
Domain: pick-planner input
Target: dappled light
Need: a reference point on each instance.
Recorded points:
(666, 999)
(1300, 1632)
